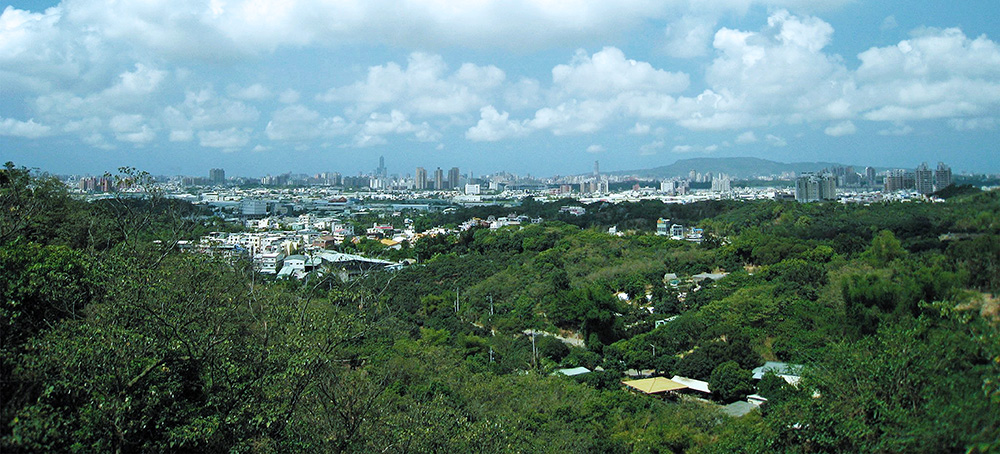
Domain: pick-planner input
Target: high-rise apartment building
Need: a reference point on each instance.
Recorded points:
(870, 176)
(439, 179)
(420, 181)
(453, 178)
(923, 179)
(811, 187)
(217, 176)
(942, 176)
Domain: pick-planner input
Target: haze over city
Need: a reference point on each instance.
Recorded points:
(527, 86)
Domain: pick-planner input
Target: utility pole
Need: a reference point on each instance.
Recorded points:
(456, 300)
(491, 304)
(534, 352)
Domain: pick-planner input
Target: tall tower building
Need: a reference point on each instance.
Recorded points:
(420, 181)
(453, 178)
(923, 179)
(597, 169)
(381, 171)
(217, 176)
(438, 179)
(870, 176)
(942, 176)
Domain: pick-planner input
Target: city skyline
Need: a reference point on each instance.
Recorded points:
(528, 87)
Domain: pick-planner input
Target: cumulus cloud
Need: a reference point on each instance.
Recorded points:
(608, 72)
(423, 87)
(779, 74)
(227, 139)
(132, 128)
(299, 123)
(254, 92)
(682, 148)
(595, 148)
(935, 74)
(206, 109)
(494, 126)
(746, 137)
(689, 37)
(378, 125)
(640, 129)
(27, 129)
(843, 128)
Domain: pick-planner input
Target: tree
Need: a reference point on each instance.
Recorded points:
(729, 382)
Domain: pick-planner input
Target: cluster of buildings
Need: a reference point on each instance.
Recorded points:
(678, 231)
(923, 179)
(812, 187)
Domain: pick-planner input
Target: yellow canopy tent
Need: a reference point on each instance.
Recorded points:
(653, 385)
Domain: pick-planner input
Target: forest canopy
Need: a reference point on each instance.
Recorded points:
(115, 340)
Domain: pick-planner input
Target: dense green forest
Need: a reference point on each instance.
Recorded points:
(115, 341)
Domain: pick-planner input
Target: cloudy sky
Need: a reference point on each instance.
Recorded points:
(530, 86)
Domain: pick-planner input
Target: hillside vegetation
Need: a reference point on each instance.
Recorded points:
(114, 341)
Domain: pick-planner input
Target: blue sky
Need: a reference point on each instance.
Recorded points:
(530, 86)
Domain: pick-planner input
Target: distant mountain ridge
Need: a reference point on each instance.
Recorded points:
(735, 167)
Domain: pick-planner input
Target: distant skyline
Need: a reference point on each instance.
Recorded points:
(527, 86)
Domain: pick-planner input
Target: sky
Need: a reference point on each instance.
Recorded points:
(540, 87)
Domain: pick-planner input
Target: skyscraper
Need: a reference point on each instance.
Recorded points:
(420, 181)
(923, 179)
(217, 176)
(942, 176)
(453, 178)
(597, 169)
(381, 171)
(438, 179)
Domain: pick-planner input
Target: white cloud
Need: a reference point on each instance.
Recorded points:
(746, 137)
(423, 87)
(299, 123)
(973, 124)
(889, 23)
(289, 96)
(683, 149)
(775, 141)
(132, 128)
(843, 128)
(595, 148)
(689, 37)
(640, 129)
(227, 139)
(27, 129)
(494, 126)
(205, 110)
(395, 122)
(608, 72)
(253, 92)
(898, 130)
(651, 148)
(935, 74)
(573, 117)
(181, 136)
(779, 74)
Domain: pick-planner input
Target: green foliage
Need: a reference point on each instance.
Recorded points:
(112, 342)
(729, 382)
